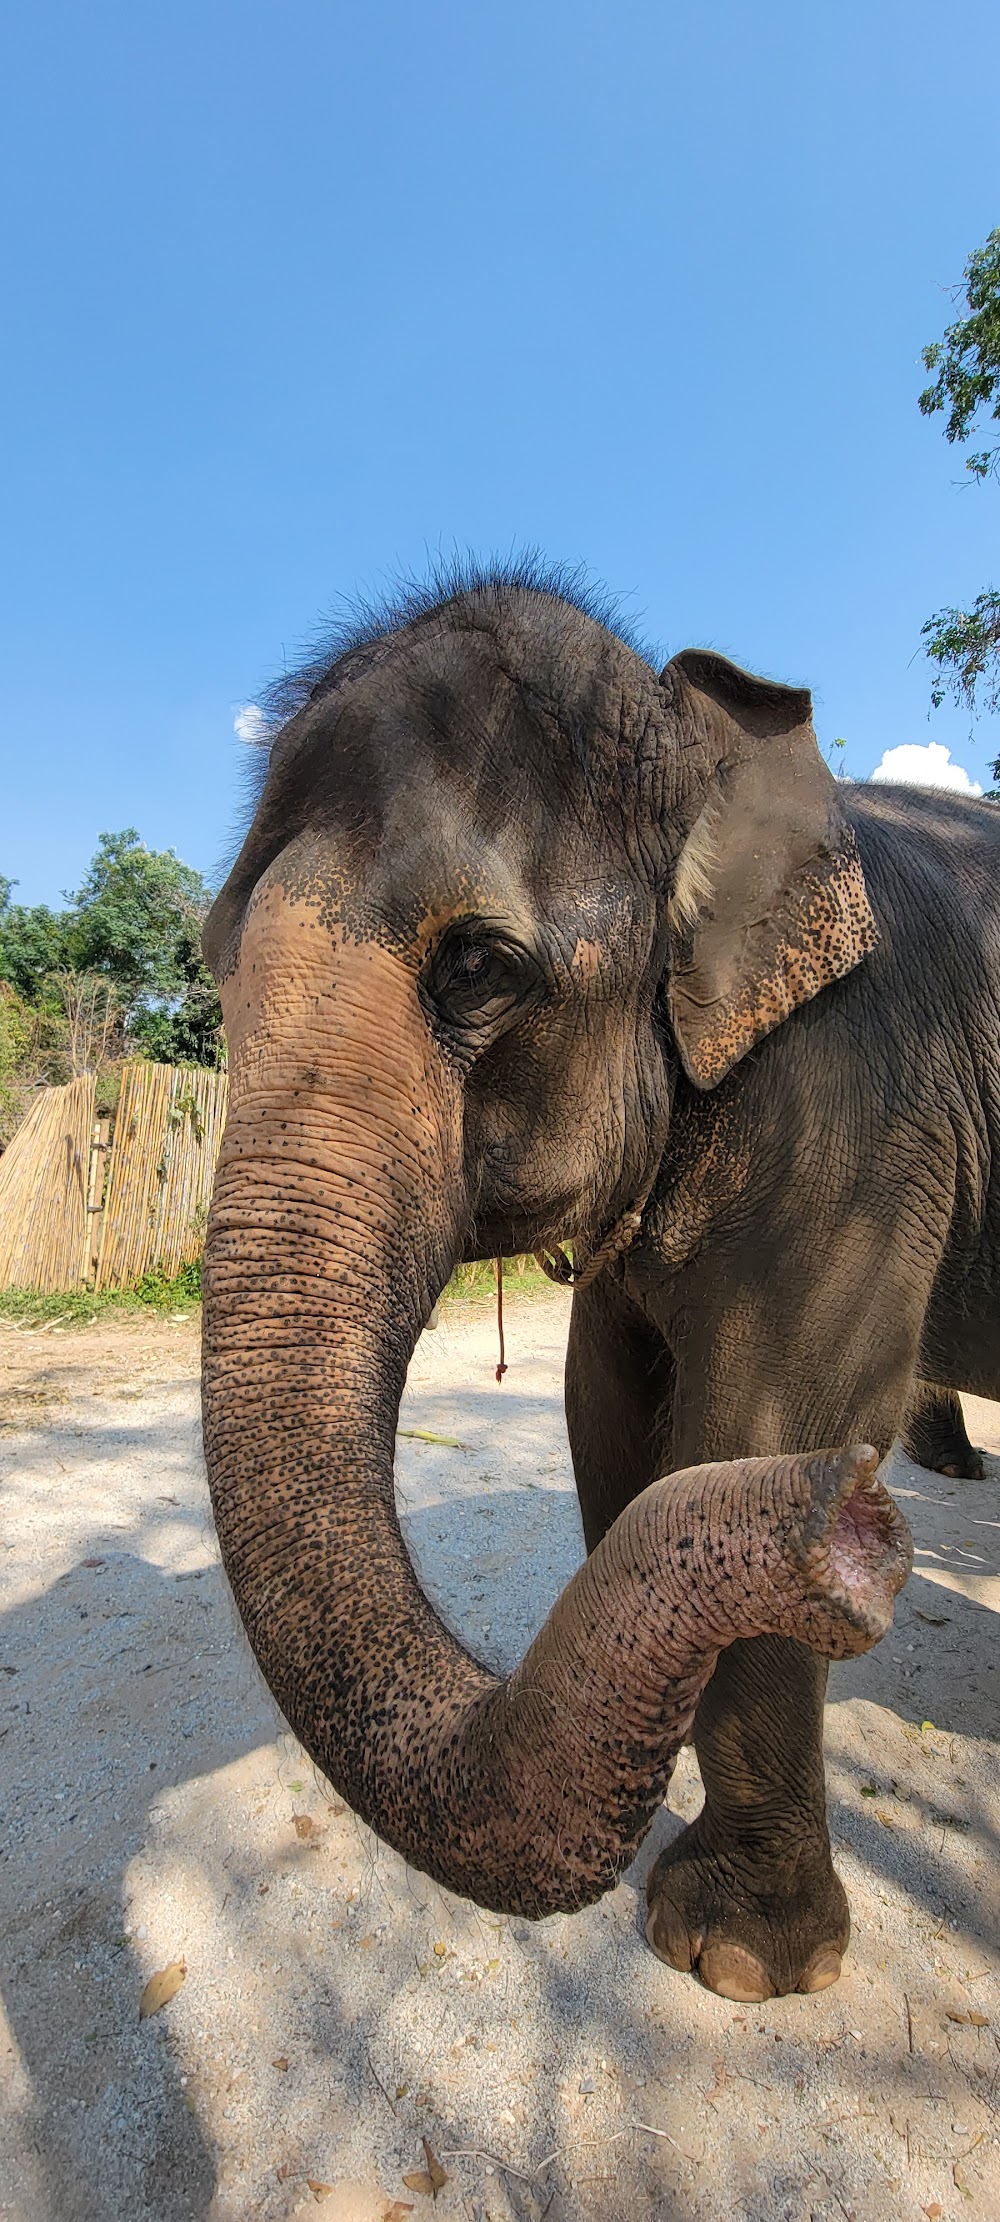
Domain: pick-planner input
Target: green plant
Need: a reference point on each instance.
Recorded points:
(965, 644)
(80, 1307)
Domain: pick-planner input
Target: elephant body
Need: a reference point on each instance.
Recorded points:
(528, 941)
(824, 1230)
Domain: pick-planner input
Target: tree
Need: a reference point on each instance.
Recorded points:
(124, 959)
(33, 943)
(129, 913)
(965, 644)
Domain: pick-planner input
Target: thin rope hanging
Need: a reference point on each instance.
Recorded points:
(498, 1269)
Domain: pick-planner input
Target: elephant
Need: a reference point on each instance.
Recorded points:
(935, 1435)
(531, 943)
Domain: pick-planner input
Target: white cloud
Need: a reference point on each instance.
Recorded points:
(250, 724)
(930, 766)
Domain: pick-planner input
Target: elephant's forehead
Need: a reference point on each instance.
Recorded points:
(538, 727)
(422, 878)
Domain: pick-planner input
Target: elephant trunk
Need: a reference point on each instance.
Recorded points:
(338, 1212)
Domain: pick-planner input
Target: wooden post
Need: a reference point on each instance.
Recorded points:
(99, 1147)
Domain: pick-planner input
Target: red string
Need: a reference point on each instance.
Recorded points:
(498, 1266)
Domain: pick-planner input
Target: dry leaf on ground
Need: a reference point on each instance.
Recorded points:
(161, 1987)
(281, 2064)
(396, 2211)
(430, 2180)
(303, 1824)
(319, 2190)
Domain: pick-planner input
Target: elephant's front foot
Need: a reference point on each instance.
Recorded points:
(935, 1437)
(749, 1935)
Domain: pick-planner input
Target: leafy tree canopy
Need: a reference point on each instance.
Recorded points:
(133, 910)
(965, 644)
(135, 921)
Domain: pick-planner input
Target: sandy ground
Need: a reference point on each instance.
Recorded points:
(337, 2008)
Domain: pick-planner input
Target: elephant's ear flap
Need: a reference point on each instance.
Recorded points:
(769, 903)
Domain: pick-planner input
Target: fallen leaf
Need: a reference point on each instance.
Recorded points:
(423, 1435)
(437, 2174)
(161, 1987)
(401, 2090)
(869, 1789)
(980, 2021)
(934, 1620)
(396, 2211)
(934, 2211)
(365, 1944)
(957, 2017)
(297, 1787)
(304, 1824)
(430, 2180)
(959, 2180)
(284, 2171)
(886, 1819)
(95, 1562)
(281, 2064)
(319, 2190)
(925, 1725)
(439, 1951)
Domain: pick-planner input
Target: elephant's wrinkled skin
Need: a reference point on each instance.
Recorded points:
(522, 935)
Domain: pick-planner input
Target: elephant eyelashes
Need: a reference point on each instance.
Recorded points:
(476, 979)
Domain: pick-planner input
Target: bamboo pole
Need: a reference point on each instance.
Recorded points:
(44, 1185)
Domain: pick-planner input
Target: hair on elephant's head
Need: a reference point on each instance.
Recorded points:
(502, 881)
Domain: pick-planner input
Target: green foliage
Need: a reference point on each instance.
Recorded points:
(17, 1035)
(967, 360)
(164, 1291)
(31, 1053)
(133, 932)
(81, 1307)
(965, 644)
(478, 1283)
(133, 908)
(33, 944)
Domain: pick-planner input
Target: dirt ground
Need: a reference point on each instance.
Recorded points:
(337, 2009)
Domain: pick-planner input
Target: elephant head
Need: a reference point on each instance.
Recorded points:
(503, 882)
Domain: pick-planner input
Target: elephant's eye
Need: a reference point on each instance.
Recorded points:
(476, 977)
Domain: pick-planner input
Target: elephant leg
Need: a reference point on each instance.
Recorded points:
(935, 1435)
(748, 1894)
(619, 1398)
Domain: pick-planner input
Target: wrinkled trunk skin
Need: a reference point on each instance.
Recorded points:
(339, 1209)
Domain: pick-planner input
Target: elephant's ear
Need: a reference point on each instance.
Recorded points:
(769, 903)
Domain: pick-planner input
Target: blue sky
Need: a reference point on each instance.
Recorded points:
(297, 293)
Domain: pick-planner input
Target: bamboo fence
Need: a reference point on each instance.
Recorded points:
(167, 1134)
(45, 1191)
(77, 1207)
